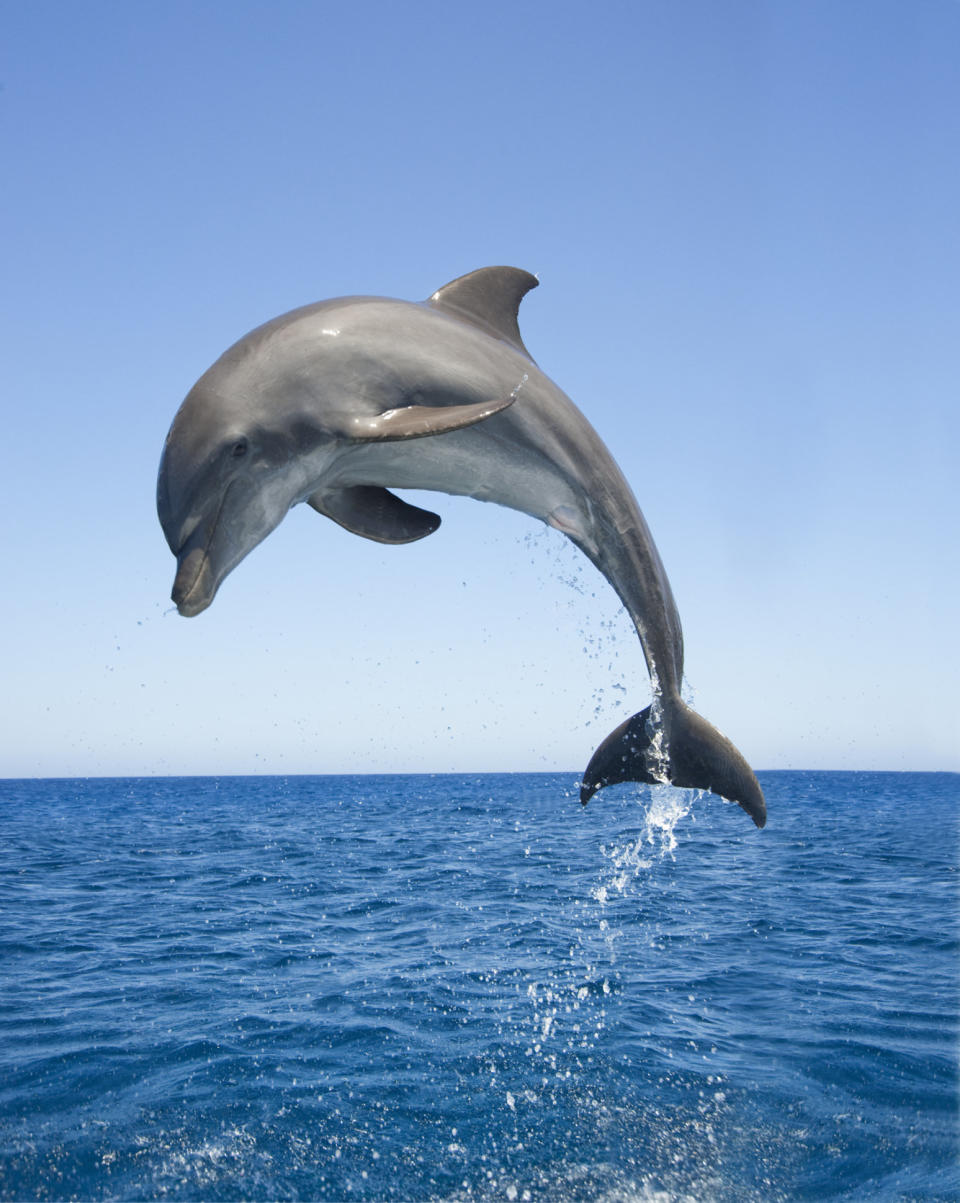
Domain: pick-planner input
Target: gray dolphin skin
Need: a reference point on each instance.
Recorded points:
(336, 403)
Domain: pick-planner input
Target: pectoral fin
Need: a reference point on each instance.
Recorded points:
(375, 513)
(418, 421)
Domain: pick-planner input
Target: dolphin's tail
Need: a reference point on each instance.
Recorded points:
(676, 747)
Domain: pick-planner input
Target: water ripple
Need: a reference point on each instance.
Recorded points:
(464, 988)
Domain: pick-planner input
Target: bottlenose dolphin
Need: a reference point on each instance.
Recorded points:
(336, 403)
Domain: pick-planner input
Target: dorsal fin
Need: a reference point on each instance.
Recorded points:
(489, 298)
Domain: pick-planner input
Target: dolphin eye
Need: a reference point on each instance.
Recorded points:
(239, 449)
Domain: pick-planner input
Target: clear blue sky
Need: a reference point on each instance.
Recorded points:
(744, 218)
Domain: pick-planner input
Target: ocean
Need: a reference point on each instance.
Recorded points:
(470, 988)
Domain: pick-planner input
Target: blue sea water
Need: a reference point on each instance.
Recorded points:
(471, 988)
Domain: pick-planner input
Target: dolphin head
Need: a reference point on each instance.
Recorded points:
(284, 413)
(227, 477)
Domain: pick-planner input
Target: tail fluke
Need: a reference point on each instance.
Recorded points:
(680, 749)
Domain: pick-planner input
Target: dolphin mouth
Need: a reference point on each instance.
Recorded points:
(196, 584)
(193, 586)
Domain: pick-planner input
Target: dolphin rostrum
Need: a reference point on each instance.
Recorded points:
(336, 403)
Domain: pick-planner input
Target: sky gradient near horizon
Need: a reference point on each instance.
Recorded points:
(744, 221)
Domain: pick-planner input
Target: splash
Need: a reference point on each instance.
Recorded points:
(656, 841)
(567, 1014)
(516, 391)
(606, 633)
(657, 754)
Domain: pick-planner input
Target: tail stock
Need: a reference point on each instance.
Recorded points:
(680, 749)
